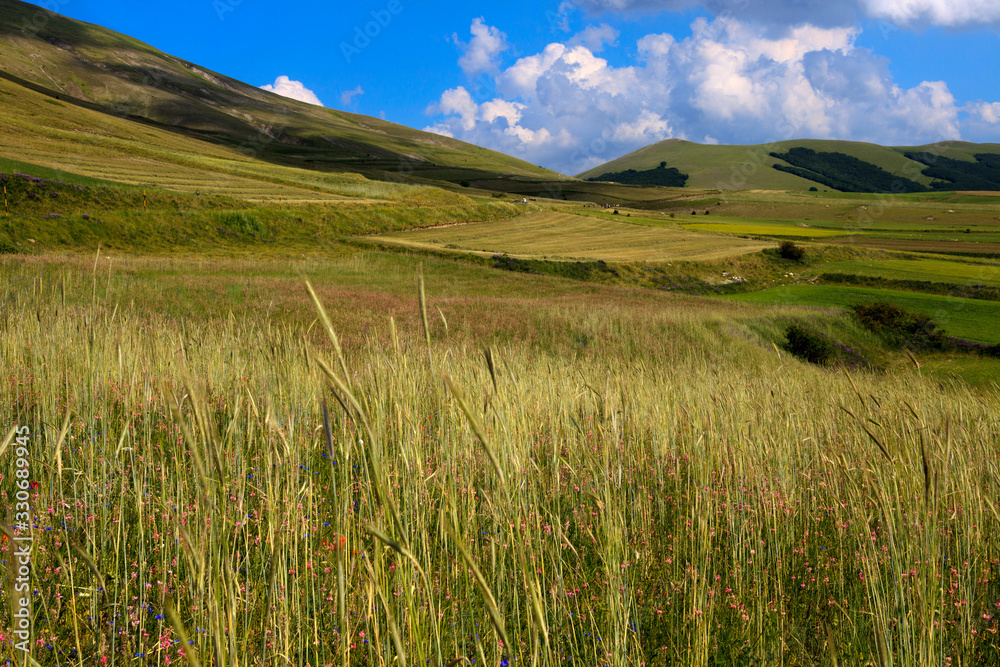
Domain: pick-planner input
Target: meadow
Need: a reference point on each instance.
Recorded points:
(434, 462)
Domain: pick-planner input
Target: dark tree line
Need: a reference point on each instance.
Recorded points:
(983, 174)
(662, 175)
(843, 172)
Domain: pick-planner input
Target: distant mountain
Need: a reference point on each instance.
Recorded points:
(788, 165)
(89, 67)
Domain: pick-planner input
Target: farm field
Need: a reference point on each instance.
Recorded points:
(750, 227)
(935, 270)
(971, 319)
(565, 236)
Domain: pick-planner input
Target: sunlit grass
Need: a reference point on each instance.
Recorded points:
(971, 319)
(934, 270)
(554, 235)
(674, 490)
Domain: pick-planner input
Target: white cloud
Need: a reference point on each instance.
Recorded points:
(596, 37)
(986, 112)
(569, 109)
(482, 53)
(457, 102)
(950, 13)
(348, 96)
(983, 120)
(826, 13)
(292, 89)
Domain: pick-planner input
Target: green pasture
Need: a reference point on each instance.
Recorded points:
(934, 270)
(971, 319)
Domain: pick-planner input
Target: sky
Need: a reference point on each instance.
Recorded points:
(571, 84)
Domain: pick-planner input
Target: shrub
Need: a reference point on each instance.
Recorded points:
(809, 345)
(241, 222)
(900, 328)
(789, 250)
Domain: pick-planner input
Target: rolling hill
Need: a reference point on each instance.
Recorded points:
(752, 167)
(81, 70)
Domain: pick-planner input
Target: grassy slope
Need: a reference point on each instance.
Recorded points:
(118, 74)
(53, 134)
(54, 209)
(751, 167)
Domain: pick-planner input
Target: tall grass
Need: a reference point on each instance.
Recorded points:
(239, 492)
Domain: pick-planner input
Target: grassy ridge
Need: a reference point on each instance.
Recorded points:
(81, 67)
(107, 148)
(752, 167)
(46, 214)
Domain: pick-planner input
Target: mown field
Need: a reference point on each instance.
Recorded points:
(566, 236)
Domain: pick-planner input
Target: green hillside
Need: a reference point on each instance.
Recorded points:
(752, 167)
(84, 66)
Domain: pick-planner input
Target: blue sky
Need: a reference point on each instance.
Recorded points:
(572, 83)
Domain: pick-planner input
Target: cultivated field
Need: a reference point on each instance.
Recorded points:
(565, 236)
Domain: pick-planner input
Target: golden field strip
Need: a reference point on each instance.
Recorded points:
(565, 236)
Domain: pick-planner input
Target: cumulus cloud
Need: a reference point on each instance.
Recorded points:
(567, 108)
(987, 112)
(482, 53)
(596, 37)
(983, 120)
(768, 12)
(459, 104)
(949, 13)
(348, 96)
(903, 13)
(292, 89)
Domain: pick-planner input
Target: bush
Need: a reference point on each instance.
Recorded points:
(809, 345)
(241, 222)
(900, 328)
(789, 250)
(7, 248)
